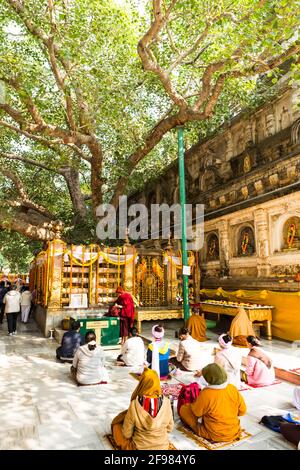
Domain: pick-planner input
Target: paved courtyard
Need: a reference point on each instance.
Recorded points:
(41, 407)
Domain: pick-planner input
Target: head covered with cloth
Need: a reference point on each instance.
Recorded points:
(148, 420)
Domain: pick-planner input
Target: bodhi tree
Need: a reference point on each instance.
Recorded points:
(90, 90)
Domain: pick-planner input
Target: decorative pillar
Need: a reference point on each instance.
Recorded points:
(224, 241)
(263, 242)
(56, 250)
(172, 282)
(197, 277)
(129, 270)
(224, 244)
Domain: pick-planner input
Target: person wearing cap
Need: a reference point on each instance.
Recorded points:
(88, 366)
(218, 405)
(197, 325)
(158, 352)
(229, 358)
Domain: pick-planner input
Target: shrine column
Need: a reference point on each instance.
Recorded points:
(129, 270)
(224, 243)
(56, 250)
(263, 242)
(172, 282)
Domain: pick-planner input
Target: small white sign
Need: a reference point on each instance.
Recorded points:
(186, 270)
(78, 301)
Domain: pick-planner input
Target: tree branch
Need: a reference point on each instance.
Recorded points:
(26, 202)
(44, 231)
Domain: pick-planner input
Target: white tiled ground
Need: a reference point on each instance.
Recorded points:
(41, 407)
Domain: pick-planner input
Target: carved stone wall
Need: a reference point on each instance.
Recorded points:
(246, 176)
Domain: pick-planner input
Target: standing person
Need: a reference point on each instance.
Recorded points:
(158, 352)
(230, 360)
(125, 301)
(259, 370)
(133, 351)
(89, 363)
(25, 304)
(240, 328)
(148, 420)
(3, 291)
(197, 325)
(33, 301)
(71, 341)
(189, 357)
(12, 301)
(219, 405)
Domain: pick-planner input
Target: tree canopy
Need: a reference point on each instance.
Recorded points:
(91, 90)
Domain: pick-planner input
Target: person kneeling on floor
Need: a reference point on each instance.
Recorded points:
(259, 370)
(71, 341)
(218, 405)
(148, 420)
(189, 355)
(88, 366)
(133, 351)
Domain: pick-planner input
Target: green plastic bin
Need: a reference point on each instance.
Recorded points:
(107, 329)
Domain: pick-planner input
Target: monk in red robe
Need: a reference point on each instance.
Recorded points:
(125, 301)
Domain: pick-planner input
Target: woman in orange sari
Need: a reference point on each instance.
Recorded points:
(148, 420)
(240, 328)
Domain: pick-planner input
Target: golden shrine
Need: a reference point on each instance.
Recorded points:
(81, 280)
(14, 277)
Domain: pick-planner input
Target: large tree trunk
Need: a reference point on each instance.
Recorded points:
(72, 179)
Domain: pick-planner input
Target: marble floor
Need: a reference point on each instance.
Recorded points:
(41, 407)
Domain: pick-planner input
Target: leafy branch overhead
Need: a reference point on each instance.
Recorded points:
(92, 88)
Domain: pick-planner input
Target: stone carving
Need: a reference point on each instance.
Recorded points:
(212, 247)
(245, 192)
(284, 119)
(259, 187)
(246, 242)
(291, 234)
(285, 270)
(271, 126)
(295, 133)
(274, 179)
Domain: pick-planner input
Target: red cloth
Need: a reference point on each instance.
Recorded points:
(127, 310)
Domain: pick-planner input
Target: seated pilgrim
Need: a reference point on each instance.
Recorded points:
(88, 364)
(197, 325)
(133, 351)
(229, 358)
(148, 420)
(218, 405)
(158, 352)
(259, 370)
(291, 432)
(296, 397)
(71, 341)
(189, 352)
(240, 328)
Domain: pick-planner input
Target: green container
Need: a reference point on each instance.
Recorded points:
(210, 324)
(107, 329)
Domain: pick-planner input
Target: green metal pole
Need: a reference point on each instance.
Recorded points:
(185, 278)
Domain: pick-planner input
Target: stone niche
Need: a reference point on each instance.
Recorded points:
(291, 234)
(245, 240)
(212, 247)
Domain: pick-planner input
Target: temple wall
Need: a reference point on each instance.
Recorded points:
(247, 178)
